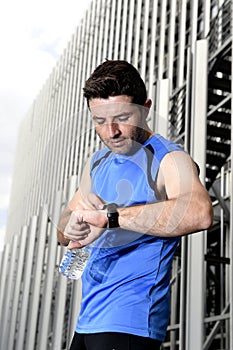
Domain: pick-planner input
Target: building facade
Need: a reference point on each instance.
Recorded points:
(183, 50)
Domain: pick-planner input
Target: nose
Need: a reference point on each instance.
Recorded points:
(113, 130)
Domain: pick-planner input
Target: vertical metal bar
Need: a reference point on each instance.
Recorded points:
(15, 304)
(87, 125)
(66, 118)
(61, 125)
(60, 302)
(123, 30)
(162, 106)
(48, 147)
(106, 31)
(58, 134)
(46, 133)
(84, 135)
(183, 292)
(95, 50)
(1, 256)
(181, 45)
(162, 39)
(196, 284)
(228, 277)
(174, 297)
(69, 119)
(231, 199)
(188, 100)
(144, 47)
(26, 283)
(151, 63)
(171, 41)
(130, 31)
(75, 103)
(101, 32)
(3, 280)
(95, 33)
(75, 306)
(79, 102)
(154, 15)
(194, 16)
(222, 253)
(59, 311)
(207, 5)
(73, 117)
(184, 243)
(89, 67)
(76, 290)
(136, 49)
(7, 307)
(50, 268)
(112, 29)
(117, 30)
(36, 287)
(51, 142)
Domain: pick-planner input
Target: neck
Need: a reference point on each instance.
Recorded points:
(147, 135)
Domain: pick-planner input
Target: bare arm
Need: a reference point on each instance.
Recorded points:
(71, 225)
(187, 208)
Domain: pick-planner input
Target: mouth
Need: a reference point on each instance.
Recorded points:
(117, 143)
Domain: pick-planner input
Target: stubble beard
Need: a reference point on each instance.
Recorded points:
(137, 138)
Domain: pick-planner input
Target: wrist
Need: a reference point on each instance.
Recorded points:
(111, 210)
(104, 213)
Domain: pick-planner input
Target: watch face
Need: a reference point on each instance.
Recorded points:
(112, 208)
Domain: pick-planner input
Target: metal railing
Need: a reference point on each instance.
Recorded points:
(221, 28)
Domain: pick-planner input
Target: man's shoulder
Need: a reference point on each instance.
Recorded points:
(158, 142)
(161, 146)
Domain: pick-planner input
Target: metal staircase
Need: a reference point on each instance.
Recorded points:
(217, 257)
(219, 94)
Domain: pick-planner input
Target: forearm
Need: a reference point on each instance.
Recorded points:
(189, 213)
(170, 218)
(72, 226)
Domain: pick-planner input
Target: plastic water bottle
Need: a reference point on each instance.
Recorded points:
(74, 262)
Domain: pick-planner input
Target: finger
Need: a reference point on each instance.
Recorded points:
(84, 226)
(77, 237)
(73, 245)
(74, 218)
(75, 230)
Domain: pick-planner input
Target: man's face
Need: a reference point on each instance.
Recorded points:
(120, 124)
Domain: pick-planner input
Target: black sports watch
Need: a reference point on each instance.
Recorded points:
(112, 215)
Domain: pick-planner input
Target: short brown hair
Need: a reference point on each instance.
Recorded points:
(114, 78)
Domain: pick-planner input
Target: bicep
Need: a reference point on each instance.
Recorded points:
(179, 176)
(80, 197)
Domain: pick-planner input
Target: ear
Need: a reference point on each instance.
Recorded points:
(148, 103)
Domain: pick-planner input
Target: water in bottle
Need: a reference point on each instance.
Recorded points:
(74, 262)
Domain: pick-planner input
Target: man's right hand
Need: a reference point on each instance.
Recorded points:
(76, 229)
(79, 232)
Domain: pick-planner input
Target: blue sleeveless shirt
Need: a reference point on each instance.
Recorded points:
(125, 286)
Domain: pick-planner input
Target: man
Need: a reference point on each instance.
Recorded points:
(137, 196)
